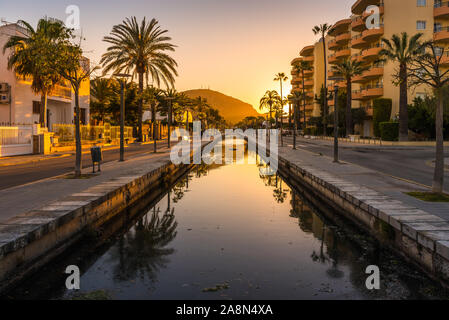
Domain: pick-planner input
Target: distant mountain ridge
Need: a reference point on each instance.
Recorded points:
(232, 109)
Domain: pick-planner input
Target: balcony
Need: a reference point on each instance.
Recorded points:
(357, 42)
(296, 80)
(373, 73)
(441, 10)
(307, 51)
(358, 24)
(330, 73)
(343, 39)
(371, 54)
(444, 62)
(294, 73)
(296, 61)
(344, 53)
(373, 91)
(372, 34)
(357, 95)
(61, 92)
(357, 57)
(333, 45)
(360, 6)
(358, 79)
(339, 27)
(441, 34)
(309, 83)
(366, 14)
(331, 102)
(309, 58)
(332, 59)
(308, 72)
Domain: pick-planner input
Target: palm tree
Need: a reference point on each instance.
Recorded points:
(271, 100)
(142, 50)
(322, 30)
(347, 69)
(28, 56)
(402, 49)
(301, 68)
(101, 91)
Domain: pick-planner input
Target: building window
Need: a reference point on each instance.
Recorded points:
(36, 107)
(421, 3)
(421, 25)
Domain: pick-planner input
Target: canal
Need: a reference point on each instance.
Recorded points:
(227, 232)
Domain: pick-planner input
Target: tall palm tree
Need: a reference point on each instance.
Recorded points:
(301, 68)
(348, 69)
(140, 49)
(271, 101)
(28, 56)
(281, 77)
(402, 49)
(323, 30)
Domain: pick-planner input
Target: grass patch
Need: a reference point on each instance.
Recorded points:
(81, 177)
(429, 196)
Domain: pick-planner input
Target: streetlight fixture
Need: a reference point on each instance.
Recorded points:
(122, 79)
(336, 79)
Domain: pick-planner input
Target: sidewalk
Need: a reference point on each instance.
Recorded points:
(21, 199)
(375, 180)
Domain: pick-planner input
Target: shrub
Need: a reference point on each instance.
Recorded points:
(389, 131)
(381, 113)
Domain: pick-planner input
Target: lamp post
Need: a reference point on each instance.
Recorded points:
(336, 79)
(122, 79)
(169, 118)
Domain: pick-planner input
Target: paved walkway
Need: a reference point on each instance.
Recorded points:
(389, 186)
(21, 199)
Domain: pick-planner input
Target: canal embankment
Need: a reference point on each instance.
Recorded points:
(39, 221)
(377, 203)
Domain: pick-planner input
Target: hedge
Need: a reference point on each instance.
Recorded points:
(381, 113)
(389, 131)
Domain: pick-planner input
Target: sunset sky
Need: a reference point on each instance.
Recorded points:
(232, 46)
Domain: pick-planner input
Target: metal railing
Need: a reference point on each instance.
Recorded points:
(66, 132)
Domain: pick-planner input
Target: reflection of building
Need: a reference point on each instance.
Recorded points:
(350, 38)
(23, 106)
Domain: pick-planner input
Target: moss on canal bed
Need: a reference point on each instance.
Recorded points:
(429, 196)
(93, 295)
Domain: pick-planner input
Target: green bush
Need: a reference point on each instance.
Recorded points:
(381, 113)
(389, 131)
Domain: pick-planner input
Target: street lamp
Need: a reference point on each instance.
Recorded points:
(169, 119)
(336, 79)
(122, 79)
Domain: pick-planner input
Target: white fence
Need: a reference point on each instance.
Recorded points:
(16, 140)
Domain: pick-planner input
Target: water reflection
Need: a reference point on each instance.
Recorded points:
(230, 224)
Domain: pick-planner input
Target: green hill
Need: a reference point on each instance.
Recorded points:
(232, 109)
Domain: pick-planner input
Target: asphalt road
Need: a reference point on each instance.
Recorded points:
(16, 175)
(411, 163)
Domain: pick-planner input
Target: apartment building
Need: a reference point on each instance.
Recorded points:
(20, 105)
(350, 38)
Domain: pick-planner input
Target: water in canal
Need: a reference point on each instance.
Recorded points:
(226, 232)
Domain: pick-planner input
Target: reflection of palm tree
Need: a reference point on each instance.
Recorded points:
(279, 194)
(143, 251)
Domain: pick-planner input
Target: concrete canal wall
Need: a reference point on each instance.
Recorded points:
(422, 238)
(32, 239)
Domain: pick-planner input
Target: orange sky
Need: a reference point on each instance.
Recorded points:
(232, 46)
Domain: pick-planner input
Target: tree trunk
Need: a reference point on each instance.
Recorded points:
(77, 135)
(349, 124)
(438, 179)
(289, 116)
(295, 124)
(43, 110)
(153, 120)
(140, 109)
(325, 88)
(304, 100)
(403, 104)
